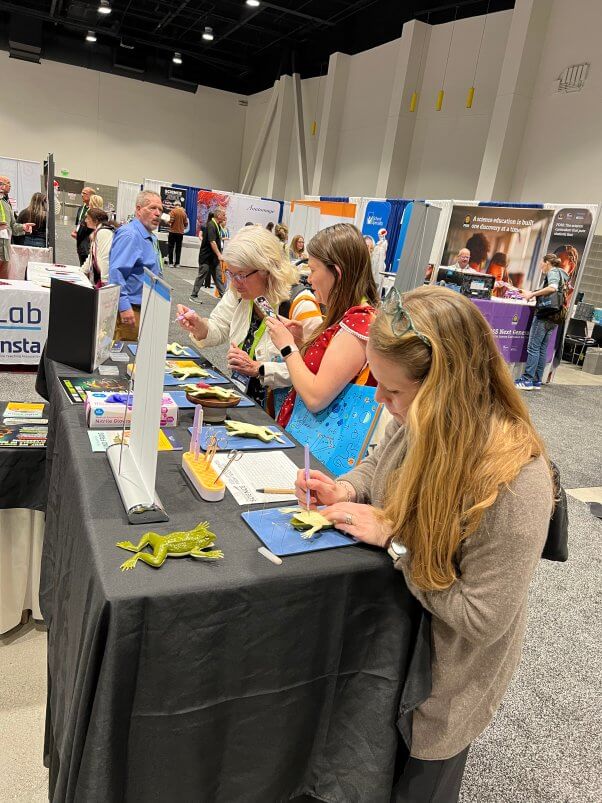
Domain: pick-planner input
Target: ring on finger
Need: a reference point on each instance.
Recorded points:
(349, 519)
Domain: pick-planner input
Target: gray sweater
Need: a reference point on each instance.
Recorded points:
(478, 624)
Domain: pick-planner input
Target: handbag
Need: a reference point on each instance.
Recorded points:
(339, 435)
(556, 546)
(553, 307)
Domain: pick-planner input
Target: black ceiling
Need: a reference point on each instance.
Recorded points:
(252, 46)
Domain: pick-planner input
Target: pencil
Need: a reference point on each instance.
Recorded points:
(275, 490)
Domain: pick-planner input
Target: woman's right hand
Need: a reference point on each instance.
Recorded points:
(192, 322)
(295, 328)
(323, 489)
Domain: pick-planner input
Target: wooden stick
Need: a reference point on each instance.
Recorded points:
(275, 491)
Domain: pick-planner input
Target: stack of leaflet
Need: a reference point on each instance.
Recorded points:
(23, 426)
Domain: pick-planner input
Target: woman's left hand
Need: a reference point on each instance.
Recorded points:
(527, 294)
(239, 360)
(280, 335)
(359, 521)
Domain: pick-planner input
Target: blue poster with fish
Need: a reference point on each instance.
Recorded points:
(336, 435)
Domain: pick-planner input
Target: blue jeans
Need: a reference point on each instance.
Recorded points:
(537, 348)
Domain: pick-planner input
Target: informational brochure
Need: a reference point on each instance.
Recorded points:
(101, 439)
(23, 436)
(76, 387)
(23, 410)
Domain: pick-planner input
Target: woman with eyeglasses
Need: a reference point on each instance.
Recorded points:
(459, 492)
(322, 366)
(257, 268)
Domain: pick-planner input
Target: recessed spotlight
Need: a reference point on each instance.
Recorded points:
(104, 7)
(177, 58)
(253, 3)
(90, 36)
(208, 34)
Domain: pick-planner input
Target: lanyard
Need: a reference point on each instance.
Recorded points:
(158, 255)
(2, 211)
(83, 214)
(258, 334)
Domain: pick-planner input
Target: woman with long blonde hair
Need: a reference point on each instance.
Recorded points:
(460, 493)
(256, 268)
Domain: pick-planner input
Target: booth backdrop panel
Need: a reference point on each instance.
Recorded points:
(192, 202)
(23, 322)
(25, 178)
(126, 199)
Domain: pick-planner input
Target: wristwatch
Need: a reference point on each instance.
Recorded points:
(287, 351)
(396, 551)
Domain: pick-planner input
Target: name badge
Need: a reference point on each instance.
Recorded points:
(241, 381)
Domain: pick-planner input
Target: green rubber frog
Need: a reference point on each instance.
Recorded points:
(197, 543)
(307, 521)
(186, 373)
(242, 430)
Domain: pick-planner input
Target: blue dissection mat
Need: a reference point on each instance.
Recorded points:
(275, 531)
(213, 379)
(188, 352)
(226, 442)
(179, 396)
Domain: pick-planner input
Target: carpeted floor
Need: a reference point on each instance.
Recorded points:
(545, 743)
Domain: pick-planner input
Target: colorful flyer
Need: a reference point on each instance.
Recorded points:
(76, 387)
(24, 410)
(20, 436)
(101, 439)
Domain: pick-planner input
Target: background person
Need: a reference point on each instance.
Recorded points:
(461, 502)
(210, 255)
(541, 327)
(35, 213)
(256, 267)
(297, 248)
(341, 278)
(134, 248)
(8, 226)
(178, 224)
(83, 232)
(80, 218)
(281, 233)
(479, 246)
(96, 266)
(462, 260)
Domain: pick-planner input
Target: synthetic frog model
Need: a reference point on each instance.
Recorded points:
(186, 373)
(176, 349)
(242, 430)
(197, 543)
(307, 521)
(202, 391)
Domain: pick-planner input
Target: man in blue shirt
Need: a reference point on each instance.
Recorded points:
(134, 248)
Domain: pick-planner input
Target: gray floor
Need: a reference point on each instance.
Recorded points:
(543, 746)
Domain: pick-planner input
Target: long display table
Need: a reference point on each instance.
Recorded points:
(229, 681)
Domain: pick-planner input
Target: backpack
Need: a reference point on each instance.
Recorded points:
(553, 308)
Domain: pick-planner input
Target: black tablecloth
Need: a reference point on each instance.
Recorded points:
(234, 681)
(22, 478)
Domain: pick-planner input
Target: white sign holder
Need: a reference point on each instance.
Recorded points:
(134, 465)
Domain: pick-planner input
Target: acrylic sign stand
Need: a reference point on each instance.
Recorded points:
(134, 466)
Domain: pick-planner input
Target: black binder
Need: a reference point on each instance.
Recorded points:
(81, 323)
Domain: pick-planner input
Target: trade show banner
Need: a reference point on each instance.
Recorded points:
(169, 196)
(570, 232)
(376, 218)
(503, 241)
(240, 209)
(23, 322)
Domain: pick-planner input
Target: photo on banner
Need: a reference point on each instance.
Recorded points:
(503, 241)
(570, 232)
(169, 197)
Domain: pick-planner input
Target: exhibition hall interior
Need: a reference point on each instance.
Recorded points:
(307, 294)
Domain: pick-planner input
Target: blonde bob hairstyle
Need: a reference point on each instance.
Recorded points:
(96, 202)
(468, 431)
(254, 248)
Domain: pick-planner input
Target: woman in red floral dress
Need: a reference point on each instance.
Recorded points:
(342, 281)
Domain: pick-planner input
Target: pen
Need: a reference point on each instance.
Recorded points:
(275, 490)
(307, 494)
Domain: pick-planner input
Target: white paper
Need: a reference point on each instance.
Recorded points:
(273, 469)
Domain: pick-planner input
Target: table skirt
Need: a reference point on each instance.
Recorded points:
(21, 539)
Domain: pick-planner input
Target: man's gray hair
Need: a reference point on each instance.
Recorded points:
(142, 199)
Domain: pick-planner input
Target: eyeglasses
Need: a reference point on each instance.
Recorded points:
(239, 278)
(401, 322)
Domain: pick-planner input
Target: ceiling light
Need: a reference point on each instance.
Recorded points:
(208, 34)
(253, 3)
(90, 36)
(104, 7)
(177, 58)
